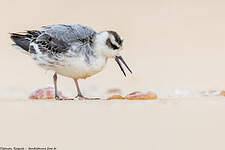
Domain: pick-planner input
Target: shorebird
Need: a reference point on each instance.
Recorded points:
(71, 50)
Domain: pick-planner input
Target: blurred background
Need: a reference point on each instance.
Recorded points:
(167, 43)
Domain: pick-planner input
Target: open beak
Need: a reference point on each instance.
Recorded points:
(118, 59)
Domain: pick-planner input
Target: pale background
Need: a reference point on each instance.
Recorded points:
(168, 44)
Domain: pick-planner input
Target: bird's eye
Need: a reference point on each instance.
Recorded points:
(111, 45)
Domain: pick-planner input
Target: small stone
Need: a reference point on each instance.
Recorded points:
(137, 95)
(118, 97)
(45, 93)
(114, 91)
(222, 93)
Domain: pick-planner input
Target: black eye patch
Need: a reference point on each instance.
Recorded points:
(111, 45)
(117, 37)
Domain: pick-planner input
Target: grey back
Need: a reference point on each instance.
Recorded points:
(69, 33)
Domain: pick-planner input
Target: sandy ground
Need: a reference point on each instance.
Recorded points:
(169, 45)
(165, 124)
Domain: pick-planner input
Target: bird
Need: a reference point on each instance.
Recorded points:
(72, 50)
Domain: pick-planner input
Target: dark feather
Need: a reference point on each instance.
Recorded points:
(20, 40)
(48, 44)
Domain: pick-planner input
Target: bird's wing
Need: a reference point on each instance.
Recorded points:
(61, 38)
(48, 44)
(69, 33)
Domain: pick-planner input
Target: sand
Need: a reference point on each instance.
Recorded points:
(173, 47)
(163, 124)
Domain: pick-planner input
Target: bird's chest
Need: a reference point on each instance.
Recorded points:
(80, 67)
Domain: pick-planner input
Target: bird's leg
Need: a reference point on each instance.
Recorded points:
(55, 86)
(56, 91)
(79, 95)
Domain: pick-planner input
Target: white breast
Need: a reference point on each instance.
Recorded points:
(77, 67)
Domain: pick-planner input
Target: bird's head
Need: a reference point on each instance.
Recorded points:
(110, 44)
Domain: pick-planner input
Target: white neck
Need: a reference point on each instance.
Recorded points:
(100, 46)
(99, 42)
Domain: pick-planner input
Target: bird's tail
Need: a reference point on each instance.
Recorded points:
(21, 40)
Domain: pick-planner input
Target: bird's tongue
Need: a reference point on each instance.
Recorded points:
(118, 59)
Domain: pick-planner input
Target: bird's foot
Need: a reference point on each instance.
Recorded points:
(60, 99)
(81, 97)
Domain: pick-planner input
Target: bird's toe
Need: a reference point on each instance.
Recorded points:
(81, 97)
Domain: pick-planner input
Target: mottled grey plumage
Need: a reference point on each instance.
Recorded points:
(71, 40)
(69, 33)
(59, 39)
(76, 38)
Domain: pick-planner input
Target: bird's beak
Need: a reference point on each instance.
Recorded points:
(118, 59)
